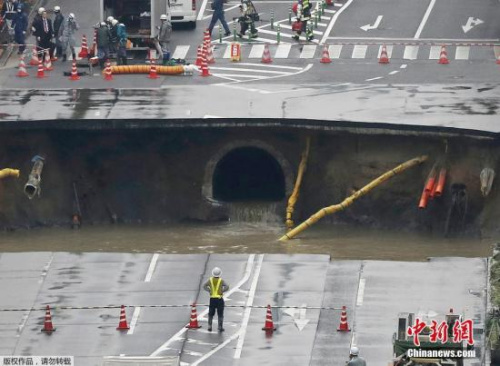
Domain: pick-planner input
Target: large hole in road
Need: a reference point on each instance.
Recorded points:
(248, 174)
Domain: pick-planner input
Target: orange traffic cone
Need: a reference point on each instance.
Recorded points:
(41, 71)
(443, 57)
(204, 65)
(22, 68)
(269, 325)
(193, 321)
(74, 73)
(208, 42)
(84, 52)
(108, 75)
(343, 327)
(325, 58)
(266, 56)
(123, 320)
(93, 50)
(498, 60)
(384, 58)
(152, 70)
(48, 62)
(199, 55)
(34, 57)
(47, 324)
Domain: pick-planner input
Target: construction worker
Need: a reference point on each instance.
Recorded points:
(216, 287)
(113, 38)
(58, 21)
(304, 15)
(122, 44)
(44, 33)
(247, 19)
(20, 24)
(354, 359)
(68, 30)
(102, 44)
(163, 38)
(9, 10)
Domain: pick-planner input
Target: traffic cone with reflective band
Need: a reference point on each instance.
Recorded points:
(443, 57)
(47, 324)
(269, 325)
(152, 70)
(204, 65)
(384, 58)
(266, 55)
(123, 320)
(325, 58)
(22, 68)
(93, 51)
(84, 52)
(34, 57)
(48, 63)
(41, 71)
(74, 73)
(208, 43)
(108, 75)
(343, 327)
(199, 55)
(193, 321)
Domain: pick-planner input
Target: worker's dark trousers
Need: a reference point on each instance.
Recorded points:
(216, 304)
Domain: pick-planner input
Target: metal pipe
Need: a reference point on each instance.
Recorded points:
(8, 172)
(32, 187)
(349, 200)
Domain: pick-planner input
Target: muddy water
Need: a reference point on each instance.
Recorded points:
(339, 242)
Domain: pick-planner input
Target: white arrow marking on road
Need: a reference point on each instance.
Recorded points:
(368, 27)
(471, 23)
(301, 321)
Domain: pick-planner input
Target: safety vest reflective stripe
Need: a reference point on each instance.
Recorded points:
(214, 289)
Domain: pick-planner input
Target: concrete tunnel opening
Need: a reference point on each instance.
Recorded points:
(248, 174)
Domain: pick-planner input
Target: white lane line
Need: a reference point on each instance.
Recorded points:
(334, 19)
(250, 70)
(424, 19)
(403, 66)
(181, 52)
(248, 309)
(227, 77)
(176, 336)
(216, 349)
(152, 267)
(233, 76)
(202, 10)
(305, 69)
(361, 292)
(394, 72)
(377, 78)
(133, 322)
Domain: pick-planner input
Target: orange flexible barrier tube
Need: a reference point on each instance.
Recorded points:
(7, 172)
(144, 69)
(440, 183)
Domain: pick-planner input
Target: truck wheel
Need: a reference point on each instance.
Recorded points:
(192, 25)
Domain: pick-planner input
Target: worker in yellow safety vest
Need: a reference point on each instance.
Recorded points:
(216, 287)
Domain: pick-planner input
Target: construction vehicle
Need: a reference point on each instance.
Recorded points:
(404, 344)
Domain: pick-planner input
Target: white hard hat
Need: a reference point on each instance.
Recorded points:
(103, 24)
(57, 9)
(114, 22)
(216, 272)
(163, 17)
(109, 19)
(354, 351)
(41, 10)
(71, 16)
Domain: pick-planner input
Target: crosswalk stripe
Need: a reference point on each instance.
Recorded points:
(434, 52)
(359, 51)
(410, 53)
(180, 52)
(462, 53)
(388, 49)
(308, 51)
(330, 11)
(240, 76)
(337, 5)
(249, 70)
(285, 26)
(334, 50)
(227, 52)
(283, 50)
(256, 51)
(274, 33)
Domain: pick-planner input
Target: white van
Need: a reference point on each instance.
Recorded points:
(183, 11)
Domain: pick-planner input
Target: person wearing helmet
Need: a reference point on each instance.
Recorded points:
(44, 33)
(354, 359)
(103, 44)
(67, 32)
(122, 44)
(58, 21)
(109, 20)
(303, 16)
(163, 38)
(216, 287)
(113, 38)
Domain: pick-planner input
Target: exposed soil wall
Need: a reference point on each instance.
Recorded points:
(165, 175)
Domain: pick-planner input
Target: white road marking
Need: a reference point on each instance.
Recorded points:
(375, 25)
(133, 322)
(180, 52)
(233, 77)
(334, 50)
(305, 69)
(434, 52)
(151, 268)
(308, 51)
(388, 48)
(202, 10)
(462, 53)
(271, 66)
(334, 19)
(359, 51)
(376, 78)
(424, 19)
(403, 66)
(216, 349)
(249, 70)
(283, 51)
(471, 23)
(410, 53)
(394, 72)
(361, 292)
(256, 51)
(177, 335)
(227, 52)
(248, 309)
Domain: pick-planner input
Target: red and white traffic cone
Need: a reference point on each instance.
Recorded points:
(443, 57)
(74, 73)
(123, 320)
(22, 73)
(208, 42)
(344, 326)
(384, 58)
(47, 324)
(48, 62)
(498, 60)
(93, 50)
(204, 65)
(84, 52)
(269, 325)
(152, 70)
(193, 320)
(108, 74)
(34, 57)
(325, 57)
(266, 55)
(199, 55)
(41, 71)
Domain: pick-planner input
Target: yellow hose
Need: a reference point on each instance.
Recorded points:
(349, 200)
(295, 194)
(9, 173)
(144, 69)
